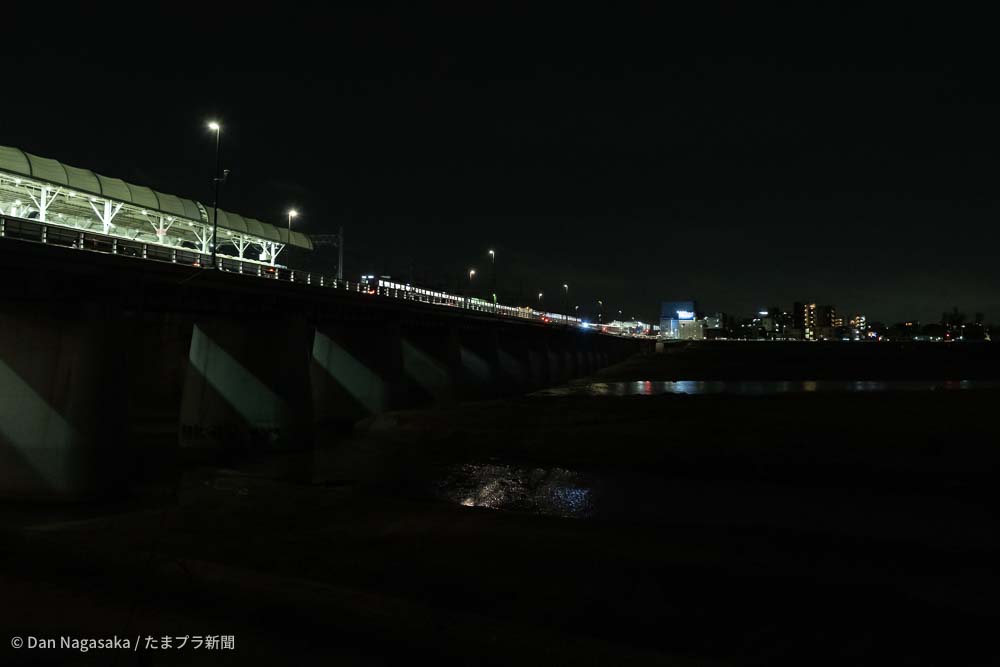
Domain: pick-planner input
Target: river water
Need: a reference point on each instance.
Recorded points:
(563, 492)
(757, 388)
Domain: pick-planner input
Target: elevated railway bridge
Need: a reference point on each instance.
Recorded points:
(121, 346)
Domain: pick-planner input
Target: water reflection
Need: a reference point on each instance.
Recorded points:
(553, 491)
(757, 388)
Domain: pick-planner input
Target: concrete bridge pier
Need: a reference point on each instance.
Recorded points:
(583, 364)
(521, 361)
(246, 383)
(567, 355)
(356, 370)
(581, 346)
(538, 361)
(557, 372)
(479, 353)
(157, 346)
(63, 422)
(432, 365)
(612, 351)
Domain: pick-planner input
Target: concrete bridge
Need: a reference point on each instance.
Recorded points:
(110, 365)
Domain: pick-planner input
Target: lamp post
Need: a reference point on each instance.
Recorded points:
(468, 291)
(493, 272)
(215, 127)
(600, 312)
(566, 297)
(539, 299)
(292, 213)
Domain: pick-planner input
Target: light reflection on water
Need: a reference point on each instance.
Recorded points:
(553, 491)
(757, 388)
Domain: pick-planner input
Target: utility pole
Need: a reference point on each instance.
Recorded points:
(340, 254)
(326, 240)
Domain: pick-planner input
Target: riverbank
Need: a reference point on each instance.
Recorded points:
(820, 529)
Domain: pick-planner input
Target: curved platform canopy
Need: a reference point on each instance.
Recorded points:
(57, 193)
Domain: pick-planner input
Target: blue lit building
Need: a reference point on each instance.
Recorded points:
(676, 317)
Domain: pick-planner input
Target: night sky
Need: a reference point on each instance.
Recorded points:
(740, 158)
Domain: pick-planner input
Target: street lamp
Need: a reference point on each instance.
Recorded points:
(539, 299)
(600, 311)
(493, 273)
(292, 213)
(566, 297)
(468, 289)
(215, 127)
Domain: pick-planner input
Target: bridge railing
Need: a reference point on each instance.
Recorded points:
(36, 231)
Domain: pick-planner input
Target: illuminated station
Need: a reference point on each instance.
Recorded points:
(76, 204)
(45, 201)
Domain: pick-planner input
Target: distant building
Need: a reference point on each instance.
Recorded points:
(826, 316)
(858, 327)
(774, 323)
(692, 329)
(672, 314)
(804, 320)
(827, 323)
(715, 321)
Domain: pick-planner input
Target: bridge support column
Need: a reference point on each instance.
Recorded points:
(247, 384)
(538, 361)
(555, 370)
(63, 431)
(356, 371)
(431, 362)
(582, 360)
(479, 353)
(158, 345)
(567, 354)
(519, 363)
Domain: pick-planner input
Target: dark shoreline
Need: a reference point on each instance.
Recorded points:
(820, 529)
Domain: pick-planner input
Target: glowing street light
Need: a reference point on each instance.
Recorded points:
(215, 127)
(493, 273)
(292, 213)
(472, 272)
(539, 298)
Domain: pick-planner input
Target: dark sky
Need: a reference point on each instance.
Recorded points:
(739, 157)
